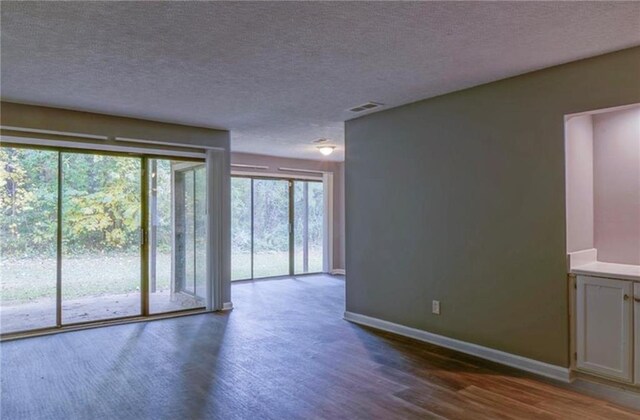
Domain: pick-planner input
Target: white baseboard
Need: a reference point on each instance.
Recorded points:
(338, 272)
(227, 306)
(544, 369)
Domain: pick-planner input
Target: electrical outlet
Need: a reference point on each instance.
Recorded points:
(435, 307)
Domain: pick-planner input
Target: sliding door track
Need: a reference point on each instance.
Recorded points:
(96, 324)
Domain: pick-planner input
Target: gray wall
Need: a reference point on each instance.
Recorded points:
(461, 198)
(337, 168)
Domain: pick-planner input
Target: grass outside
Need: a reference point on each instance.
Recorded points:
(269, 264)
(30, 279)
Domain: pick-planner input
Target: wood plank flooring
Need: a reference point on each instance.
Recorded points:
(284, 353)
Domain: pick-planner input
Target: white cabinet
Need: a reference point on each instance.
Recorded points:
(604, 327)
(636, 328)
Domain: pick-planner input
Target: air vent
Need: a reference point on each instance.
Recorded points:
(365, 107)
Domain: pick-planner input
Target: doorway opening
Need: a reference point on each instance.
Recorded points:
(277, 227)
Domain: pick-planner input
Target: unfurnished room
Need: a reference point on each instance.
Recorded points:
(319, 210)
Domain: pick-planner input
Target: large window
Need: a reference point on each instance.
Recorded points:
(89, 236)
(277, 227)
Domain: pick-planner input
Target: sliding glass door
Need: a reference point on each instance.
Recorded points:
(277, 227)
(89, 236)
(177, 235)
(270, 228)
(101, 228)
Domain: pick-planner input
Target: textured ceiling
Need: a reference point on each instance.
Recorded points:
(280, 75)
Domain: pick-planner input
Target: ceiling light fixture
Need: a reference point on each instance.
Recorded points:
(326, 150)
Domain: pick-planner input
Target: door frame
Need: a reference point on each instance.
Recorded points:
(144, 243)
(183, 167)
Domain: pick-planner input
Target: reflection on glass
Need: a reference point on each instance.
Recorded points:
(28, 237)
(101, 214)
(177, 235)
(270, 228)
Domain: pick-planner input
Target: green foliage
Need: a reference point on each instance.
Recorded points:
(101, 209)
(162, 196)
(28, 202)
(241, 214)
(271, 214)
(100, 202)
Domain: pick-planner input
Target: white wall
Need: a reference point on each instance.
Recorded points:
(579, 152)
(616, 165)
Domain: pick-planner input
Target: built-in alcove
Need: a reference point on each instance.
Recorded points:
(603, 185)
(603, 241)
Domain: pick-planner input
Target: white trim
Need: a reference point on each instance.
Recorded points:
(55, 133)
(202, 148)
(227, 306)
(41, 140)
(602, 110)
(308, 171)
(572, 279)
(268, 174)
(338, 272)
(534, 366)
(243, 166)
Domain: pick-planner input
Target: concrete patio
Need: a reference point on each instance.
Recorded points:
(42, 314)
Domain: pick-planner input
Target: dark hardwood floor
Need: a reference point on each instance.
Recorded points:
(284, 353)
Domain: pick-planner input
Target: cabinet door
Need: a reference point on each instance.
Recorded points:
(636, 331)
(604, 327)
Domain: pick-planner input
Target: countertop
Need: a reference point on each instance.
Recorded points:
(611, 270)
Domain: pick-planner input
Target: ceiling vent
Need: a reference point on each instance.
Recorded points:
(365, 107)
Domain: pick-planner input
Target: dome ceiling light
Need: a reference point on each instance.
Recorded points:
(324, 147)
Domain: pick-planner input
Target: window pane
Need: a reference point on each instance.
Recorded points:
(271, 228)
(101, 215)
(187, 226)
(316, 226)
(300, 190)
(240, 228)
(200, 228)
(308, 226)
(28, 238)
